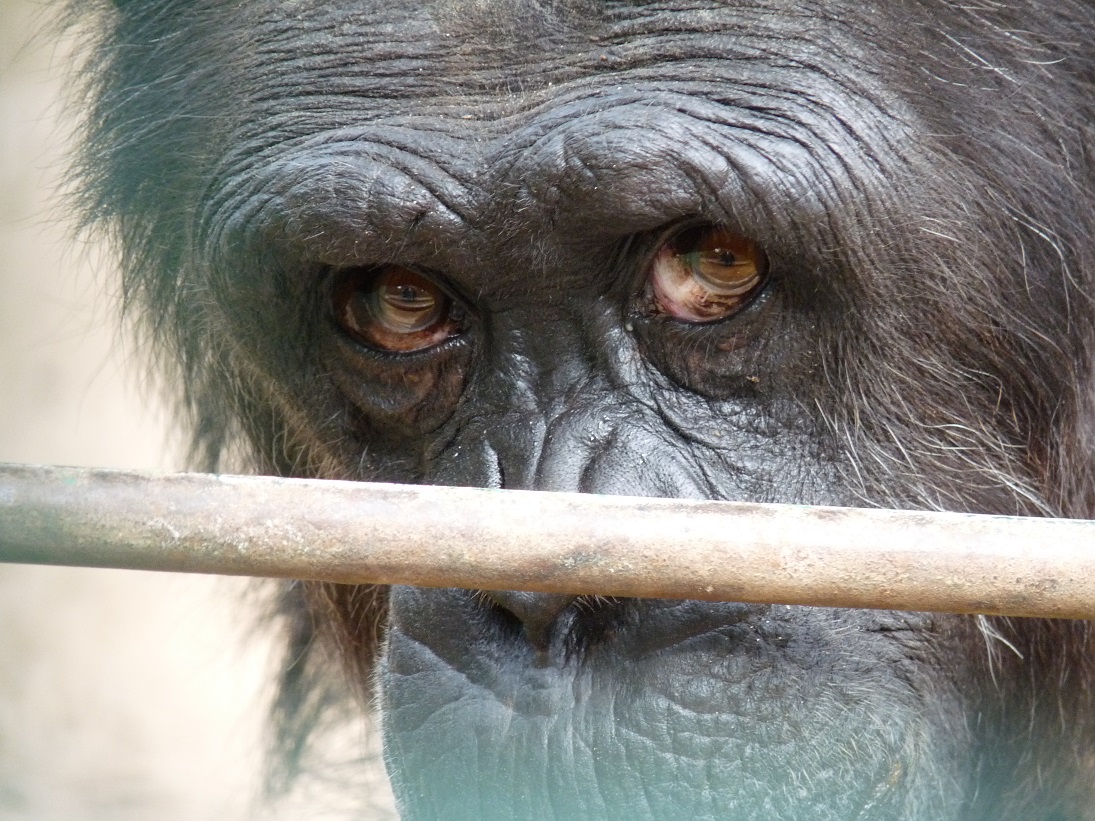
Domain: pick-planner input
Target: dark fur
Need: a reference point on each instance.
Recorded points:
(947, 285)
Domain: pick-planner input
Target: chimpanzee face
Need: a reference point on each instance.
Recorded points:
(785, 252)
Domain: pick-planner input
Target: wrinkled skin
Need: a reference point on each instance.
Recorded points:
(920, 177)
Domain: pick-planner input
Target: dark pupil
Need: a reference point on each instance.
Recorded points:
(724, 257)
(407, 298)
(405, 303)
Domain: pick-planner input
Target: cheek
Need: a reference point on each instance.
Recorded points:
(411, 401)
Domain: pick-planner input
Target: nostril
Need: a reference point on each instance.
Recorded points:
(538, 612)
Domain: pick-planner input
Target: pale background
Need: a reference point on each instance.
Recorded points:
(123, 695)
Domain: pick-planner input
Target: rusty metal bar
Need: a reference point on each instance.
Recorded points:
(550, 542)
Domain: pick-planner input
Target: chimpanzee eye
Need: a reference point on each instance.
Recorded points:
(706, 273)
(393, 308)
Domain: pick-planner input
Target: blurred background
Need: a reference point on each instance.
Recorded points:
(123, 695)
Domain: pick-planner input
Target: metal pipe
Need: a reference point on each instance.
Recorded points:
(355, 532)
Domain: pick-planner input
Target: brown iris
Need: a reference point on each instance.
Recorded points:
(706, 273)
(393, 308)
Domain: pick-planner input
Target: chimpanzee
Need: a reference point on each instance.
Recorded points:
(821, 252)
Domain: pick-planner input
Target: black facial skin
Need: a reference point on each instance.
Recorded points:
(920, 177)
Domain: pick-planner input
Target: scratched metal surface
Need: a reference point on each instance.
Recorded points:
(549, 542)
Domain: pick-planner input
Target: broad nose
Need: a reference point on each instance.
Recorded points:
(539, 613)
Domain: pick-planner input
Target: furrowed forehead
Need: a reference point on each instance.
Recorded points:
(523, 21)
(345, 108)
(608, 90)
(492, 58)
